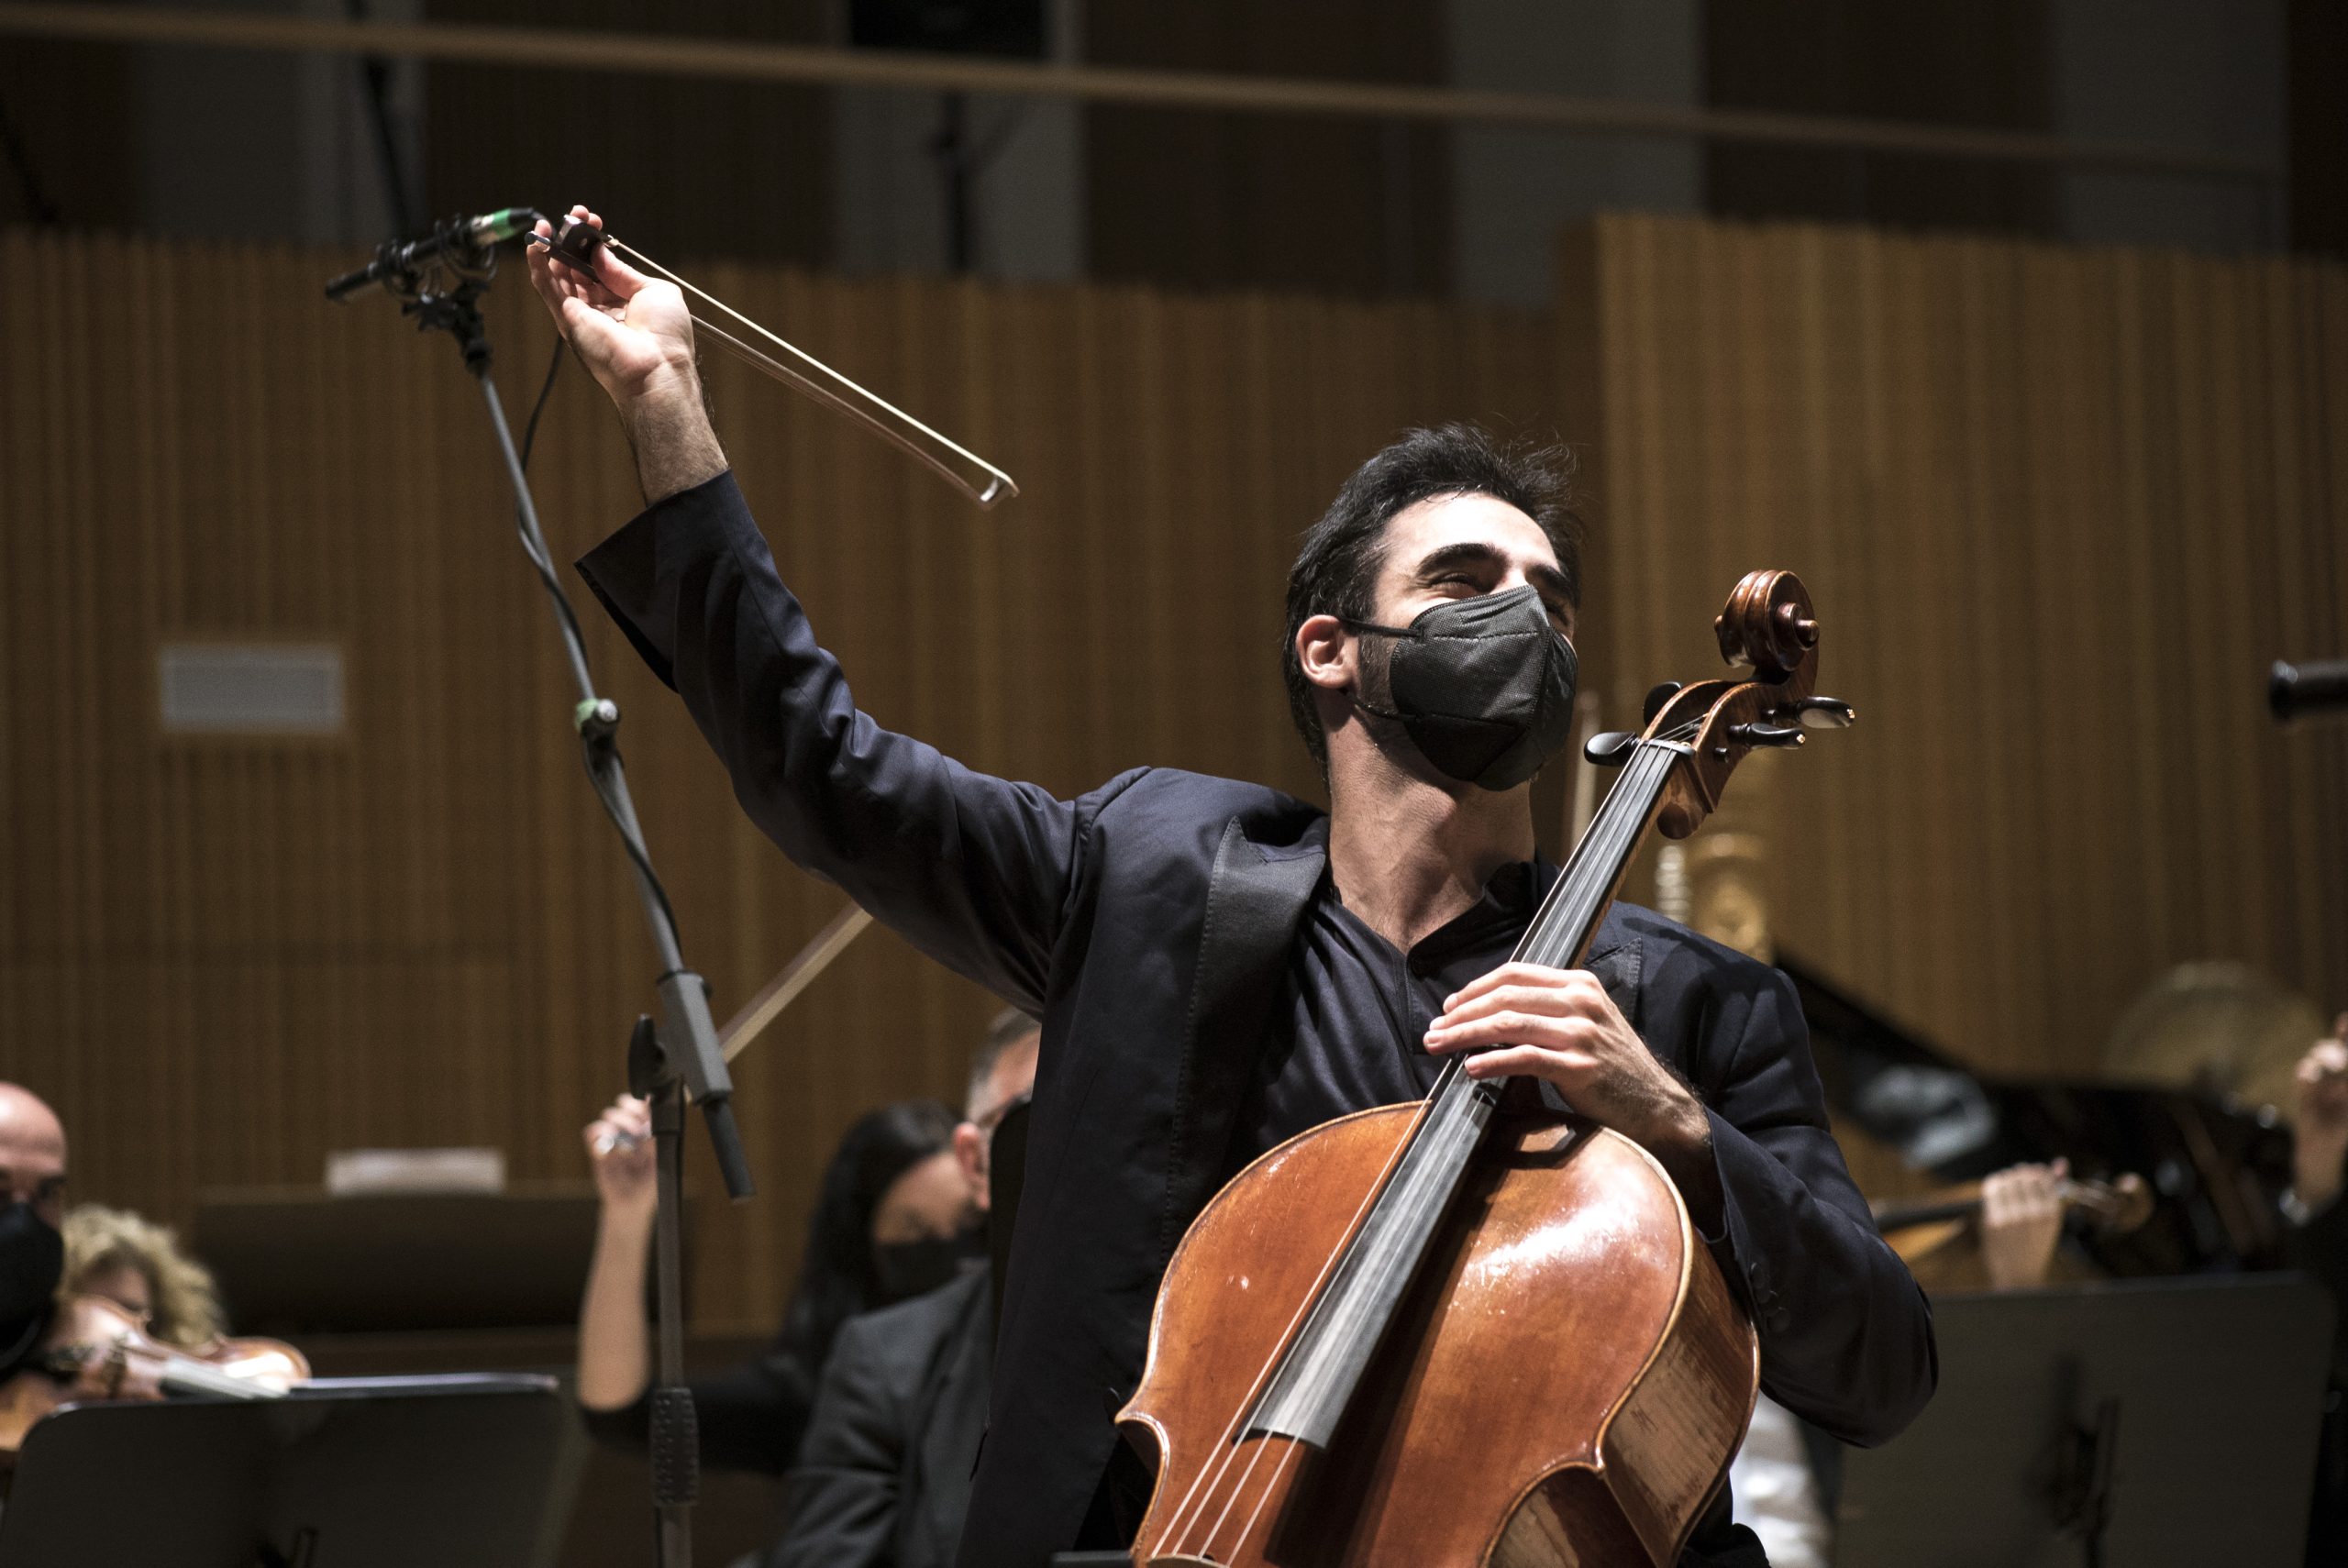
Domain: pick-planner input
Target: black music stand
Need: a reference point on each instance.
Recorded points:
(2148, 1423)
(359, 1473)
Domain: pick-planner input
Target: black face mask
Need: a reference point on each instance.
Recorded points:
(32, 1260)
(1484, 686)
(907, 1269)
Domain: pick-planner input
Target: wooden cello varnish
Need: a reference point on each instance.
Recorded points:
(1578, 1379)
(1555, 1371)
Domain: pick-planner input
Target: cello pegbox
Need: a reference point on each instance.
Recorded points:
(1767, 624)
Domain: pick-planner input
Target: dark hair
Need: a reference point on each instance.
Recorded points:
(836, 1277)
(1336, 566)
(1007, 1028)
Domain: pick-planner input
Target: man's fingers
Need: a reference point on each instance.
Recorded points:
(1508, 1027)
(1557, 1001)
(1563, 1069)
(1538, 976)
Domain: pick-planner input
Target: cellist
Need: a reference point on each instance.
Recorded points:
(1219, 965)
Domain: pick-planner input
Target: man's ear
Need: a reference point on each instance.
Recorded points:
(1326, 652)
(970, 1154)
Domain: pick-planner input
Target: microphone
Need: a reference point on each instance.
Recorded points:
(2316, 686)
(398, 260)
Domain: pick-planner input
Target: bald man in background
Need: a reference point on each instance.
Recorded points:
(32, 1251)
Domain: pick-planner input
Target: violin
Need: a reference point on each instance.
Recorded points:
(97, 1350)
(1474, 1330)
(1918, 1229)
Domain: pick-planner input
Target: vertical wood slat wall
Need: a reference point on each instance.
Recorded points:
(2059, 509)
(221, 959)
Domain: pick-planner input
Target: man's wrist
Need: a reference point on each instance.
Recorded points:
(669, 429)
(1682, 1143)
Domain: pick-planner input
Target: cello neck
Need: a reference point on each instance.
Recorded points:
(1567, 921)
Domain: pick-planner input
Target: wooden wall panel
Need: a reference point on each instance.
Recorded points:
(2059, 508)
(222, 959)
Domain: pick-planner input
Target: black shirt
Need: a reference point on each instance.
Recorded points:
(1359, 1006)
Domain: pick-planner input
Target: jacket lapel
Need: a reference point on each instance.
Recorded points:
(1254, 902)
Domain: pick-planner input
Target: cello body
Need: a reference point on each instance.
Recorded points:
(1565, 1382)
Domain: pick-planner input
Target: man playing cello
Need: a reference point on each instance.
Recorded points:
(1429, 668)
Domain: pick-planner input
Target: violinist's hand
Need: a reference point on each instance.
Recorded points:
(2022, 1218)
(2320, 1131)
(619, 1147)
(1559, 1024)
(636, 337)
(113, 1372)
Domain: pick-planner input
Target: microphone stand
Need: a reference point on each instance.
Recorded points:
(678, 1057)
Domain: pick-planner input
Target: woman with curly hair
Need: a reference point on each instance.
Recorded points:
(138, 1267)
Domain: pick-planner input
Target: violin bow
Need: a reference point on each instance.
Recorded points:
(794, 978)
(576, 243)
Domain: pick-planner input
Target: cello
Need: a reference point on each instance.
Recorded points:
(1473, 1330)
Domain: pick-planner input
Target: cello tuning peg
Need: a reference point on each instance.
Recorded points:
(1657, 696)
(1824, 714)
(1612, 748)
(1772, 735)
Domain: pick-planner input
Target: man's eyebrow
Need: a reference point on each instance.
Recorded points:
(1464, 552)
(1552, 582)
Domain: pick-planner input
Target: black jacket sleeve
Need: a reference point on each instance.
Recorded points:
(750, 1417)
(1847, 1334)
(843, 1497)
(973, 870)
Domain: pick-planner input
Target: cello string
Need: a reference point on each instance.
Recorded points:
(1305, 1320)
(1612, 838)
(1226, 1445)
(1271, 1489)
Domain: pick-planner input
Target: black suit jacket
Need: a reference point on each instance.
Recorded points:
(884, 1477)
(1091, 914)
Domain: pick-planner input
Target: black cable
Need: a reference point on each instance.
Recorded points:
(374, 80)
(594, 746)
(546, 388)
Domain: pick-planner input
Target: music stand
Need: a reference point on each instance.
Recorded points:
(2147, 1423)
(364, 1473)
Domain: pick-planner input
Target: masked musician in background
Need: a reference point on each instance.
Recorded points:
(32, 1247)
(1431, 672)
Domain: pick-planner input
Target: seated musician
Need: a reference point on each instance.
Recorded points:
(1786, 1472)
(1378, 926)
(893, 1217)
(139, 1267)
(32, 1251)
(884, 1474)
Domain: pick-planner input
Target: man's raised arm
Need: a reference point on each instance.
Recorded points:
(636, 337)
(974, 870)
